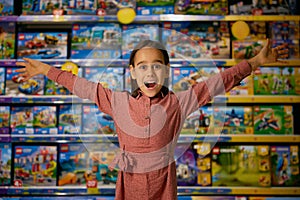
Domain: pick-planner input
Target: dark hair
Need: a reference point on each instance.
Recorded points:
(151, 44)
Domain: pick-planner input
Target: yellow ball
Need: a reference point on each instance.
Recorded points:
(240, 30)
(126, 15)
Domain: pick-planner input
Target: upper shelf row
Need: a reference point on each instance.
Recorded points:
(147, 18)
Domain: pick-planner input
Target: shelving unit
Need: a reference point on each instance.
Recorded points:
(241, 139)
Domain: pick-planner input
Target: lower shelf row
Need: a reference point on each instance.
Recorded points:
(213, 165)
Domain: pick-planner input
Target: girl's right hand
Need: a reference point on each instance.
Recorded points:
(32, 68)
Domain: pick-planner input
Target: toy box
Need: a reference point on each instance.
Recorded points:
(199, 122)
(7, 40)
(185, 77)
(35, 165)
(69, 119)
(203, 163)
(41, 7)
(261, 7)
(96, 41)
(186, 164)
(84, 162)
(53, 88)
(231, 166)
(43, 45)
(233, 119)
(4, 119)
(21, 120)
(7, 7)
(112, 7)
(154, 10)
(273, 119)
(217, 7)
(132, 34)
(245, 49)
(192, 40)
(44, 120)
(109, 77)
(284, 30)
(5, 164)
(75, 7)
(96, 122)
(285, 165)
(2, 80)
(15, 87)
(277, 81)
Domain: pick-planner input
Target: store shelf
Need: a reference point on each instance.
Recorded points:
(240, 138)
(152, 18)
(8, 18)
(83, 18)
(110, 190)
(257, 99)
(51, 99)
(289, 191)
(184, 138)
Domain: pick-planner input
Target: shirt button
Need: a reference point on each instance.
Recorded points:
(147, 117)
(147, 105)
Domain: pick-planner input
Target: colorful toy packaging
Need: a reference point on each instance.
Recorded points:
(44, 120)
(97, 40)
(53, 88)
(5, 164)
(273, 119)
(262, 7)
(4, 119)
(96, 122)
(245, 49)
(69, 120)
(41, 7)
(75, 7)
(285, 165)
(7, 40)
(21, 120)
(43, 45)
(217, 7)
(16, 87)
(155, 7)
(2, 80)
(109, 77)
(6, 7)
(284, 30)
(132, 34)
(233, 120)
(244, 88)
(35, 165)
(192, 165)
(86, 163)
(231, 166)
(192, 40)
(112, 7)
(277, 81)
(185, 77)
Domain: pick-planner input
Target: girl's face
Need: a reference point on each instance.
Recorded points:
(149, 70)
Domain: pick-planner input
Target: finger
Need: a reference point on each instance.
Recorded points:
(282, 61)
(21, 70)
(30, 61)
(21, 63)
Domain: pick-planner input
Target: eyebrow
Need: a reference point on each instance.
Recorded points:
(155, 61)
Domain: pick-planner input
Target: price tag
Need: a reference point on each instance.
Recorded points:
(92, 186)
(18, 183)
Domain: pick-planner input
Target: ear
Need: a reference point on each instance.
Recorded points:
(132, 72)
(168, 71)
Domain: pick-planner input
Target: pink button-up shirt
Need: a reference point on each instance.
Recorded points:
(148, 128)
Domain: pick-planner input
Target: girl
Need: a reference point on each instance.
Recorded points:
(149, 120)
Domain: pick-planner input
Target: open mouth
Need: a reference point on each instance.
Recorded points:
(150, 84)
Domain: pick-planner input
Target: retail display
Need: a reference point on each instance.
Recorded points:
(53, 143)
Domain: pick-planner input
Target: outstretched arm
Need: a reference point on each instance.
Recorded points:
(32, 68)
(268, 55)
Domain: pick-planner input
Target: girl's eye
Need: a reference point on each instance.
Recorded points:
(156, 66)
(142, 67)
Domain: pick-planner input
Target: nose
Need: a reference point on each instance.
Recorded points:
(150, 71)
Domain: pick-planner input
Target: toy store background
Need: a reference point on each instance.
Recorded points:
(45, 131)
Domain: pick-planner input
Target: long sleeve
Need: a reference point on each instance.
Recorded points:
(203, 92)
(83, 88)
